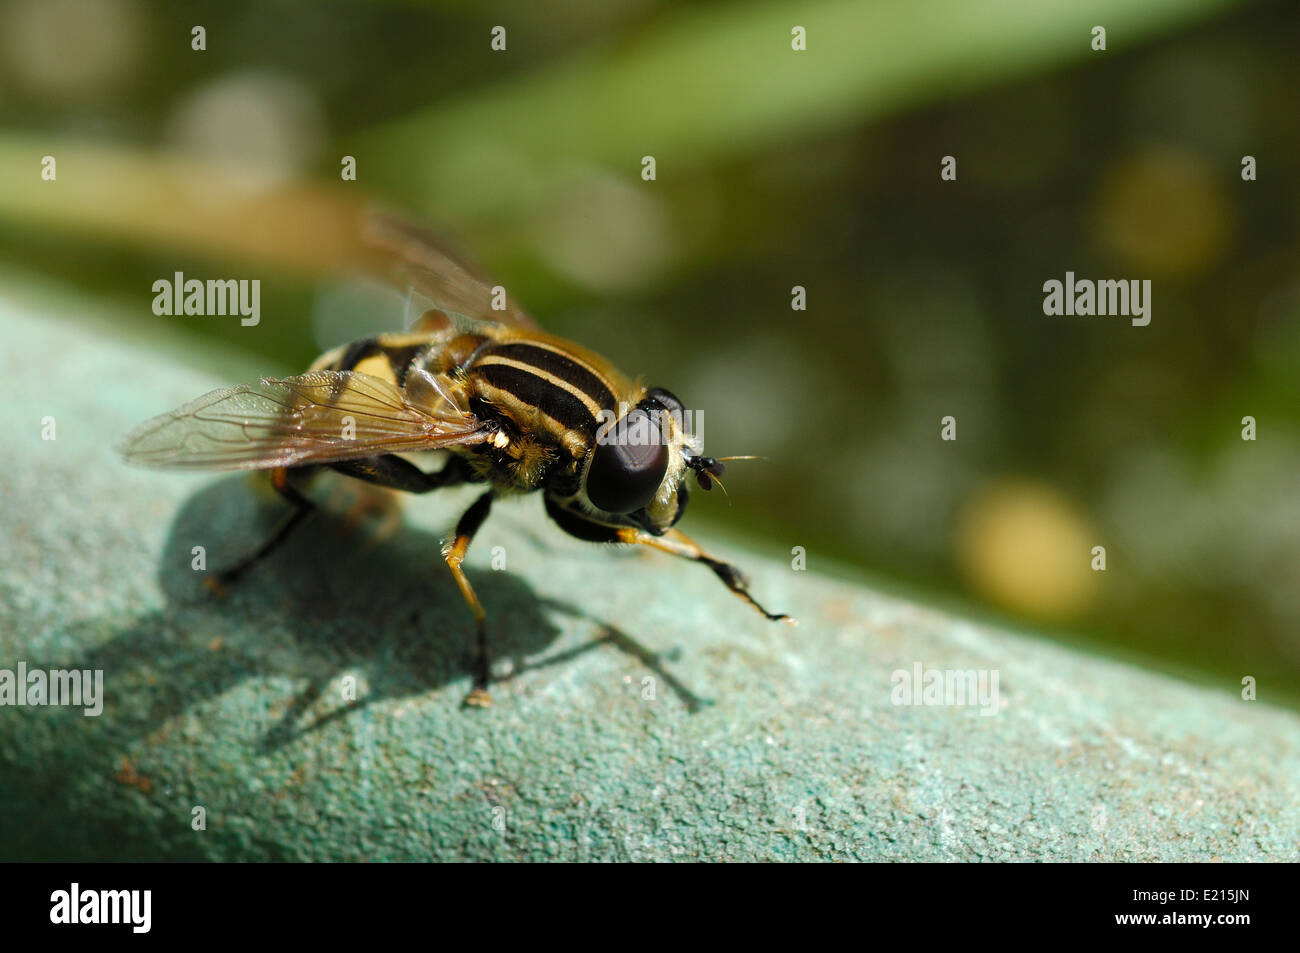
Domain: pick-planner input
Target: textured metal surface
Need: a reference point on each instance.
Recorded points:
(761, 742)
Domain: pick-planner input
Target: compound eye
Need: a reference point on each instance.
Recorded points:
(665, 400)
(659, 400)
(628, 465)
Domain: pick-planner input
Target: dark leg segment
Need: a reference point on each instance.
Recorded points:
(675, 542)
(302, 508)
(397, 473)
(388, 470)
(679, 544)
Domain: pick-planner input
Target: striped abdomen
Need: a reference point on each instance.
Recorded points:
(386, 356)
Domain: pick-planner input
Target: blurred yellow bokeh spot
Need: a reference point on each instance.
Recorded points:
(1027, 548)
(1164, 212)
(71, 49)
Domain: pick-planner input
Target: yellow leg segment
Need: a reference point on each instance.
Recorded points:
(679, 544)
(454, 554)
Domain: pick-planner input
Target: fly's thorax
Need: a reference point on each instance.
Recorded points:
(545, 397)
(546, 388)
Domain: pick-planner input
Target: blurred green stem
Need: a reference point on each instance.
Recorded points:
(714, 83)
(697, 87)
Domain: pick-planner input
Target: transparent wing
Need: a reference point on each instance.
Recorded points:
(411, 255)
(314, 418)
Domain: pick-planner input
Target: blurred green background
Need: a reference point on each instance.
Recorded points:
(775, 168)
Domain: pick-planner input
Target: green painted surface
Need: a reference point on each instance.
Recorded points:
(761, 742)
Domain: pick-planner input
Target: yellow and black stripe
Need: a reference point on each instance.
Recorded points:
(524, 377)
(543, 377)
(387, 356)
(555, 392)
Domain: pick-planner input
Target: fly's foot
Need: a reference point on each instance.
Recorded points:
(478, 698)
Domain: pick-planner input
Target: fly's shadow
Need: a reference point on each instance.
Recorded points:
(333, 601)
(338, 599)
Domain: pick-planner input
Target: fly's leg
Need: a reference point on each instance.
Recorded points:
(679, 544)
(455, 554)
(396, 473)
(387, 470)
(302, 508)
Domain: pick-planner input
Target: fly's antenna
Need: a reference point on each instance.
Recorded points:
(709, 470)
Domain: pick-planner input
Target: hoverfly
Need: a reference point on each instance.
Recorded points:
(518, 409)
